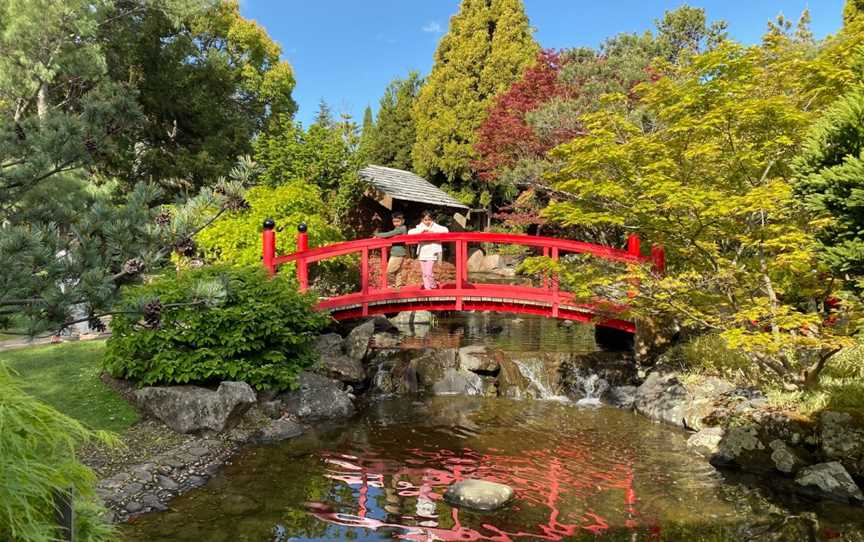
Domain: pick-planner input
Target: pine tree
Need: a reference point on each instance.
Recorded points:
(395, 134)
(366, 133)
(486, 49)
(831, 171)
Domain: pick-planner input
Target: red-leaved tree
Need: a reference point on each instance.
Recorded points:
(505, 137)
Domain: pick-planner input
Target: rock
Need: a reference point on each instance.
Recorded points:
(134, 507)
(343, 368)
(413, 318)
(829, 480)
(279, 430)
(740, 446)
(706, 442)
(318, 397)
(357, 342)
(783, 457)
(186, 409)
(478, 495)
(330, 344)
(474, 358)
(271, 409)
(702, 402)
(622, 397)
(491, 262)
(166, 483)
(475, 260)
(386, 340)
(143, 472)
(842, 440)
(457, 382)
(662, 398)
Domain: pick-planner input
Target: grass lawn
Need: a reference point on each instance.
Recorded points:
(66, 376)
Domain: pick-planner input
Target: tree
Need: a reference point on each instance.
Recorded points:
(686, 31)
(852, 10)
(320, 155)
(831, 182)
(487, 47)
(206, 81)
(705, 170)
(366, 132)
(395, 134)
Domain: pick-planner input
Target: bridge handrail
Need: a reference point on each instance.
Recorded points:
(462, 289)
(564, 245)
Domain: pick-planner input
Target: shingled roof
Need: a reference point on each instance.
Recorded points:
(406, 186)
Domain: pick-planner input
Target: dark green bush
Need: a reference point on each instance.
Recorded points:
(212, 324)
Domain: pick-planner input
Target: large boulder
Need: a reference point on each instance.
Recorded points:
(475, 260)
(478, 495)
(318, 398)
(459, 382)
(475, 358)
(187, 409)
(784, 458)
(742, 447)
(843, 440)
(829, 480)
(663, 398)
(702, 401)
(357, 342)
(622, 397)
(279, 430)
(706, 442)
(413, 318)
(334, 363)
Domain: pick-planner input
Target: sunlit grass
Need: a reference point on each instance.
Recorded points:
(66, 376)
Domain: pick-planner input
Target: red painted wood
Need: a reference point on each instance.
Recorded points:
(364, 279)
(268, 250)
(384, 262)
(302, 262)
(658, 259)
(556, 294)
(462, 294)
(633, 244)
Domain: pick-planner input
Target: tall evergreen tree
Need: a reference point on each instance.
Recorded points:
(366, 132)
(486, 49)
(831, 170)
(395, 134)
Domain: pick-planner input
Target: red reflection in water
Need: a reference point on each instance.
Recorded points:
(539, 478)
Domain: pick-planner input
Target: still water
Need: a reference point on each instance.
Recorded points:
(578, 474)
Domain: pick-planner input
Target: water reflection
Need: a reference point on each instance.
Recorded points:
(577, 474)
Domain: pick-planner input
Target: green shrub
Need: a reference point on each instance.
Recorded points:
(37, 460)
(709, 355)
(211, 324)
(236, 239)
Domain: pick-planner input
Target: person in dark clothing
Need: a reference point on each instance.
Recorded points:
(398, 253)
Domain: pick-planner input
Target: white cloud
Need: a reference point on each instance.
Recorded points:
(433, 28)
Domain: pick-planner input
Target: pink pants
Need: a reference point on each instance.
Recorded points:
(428, 269)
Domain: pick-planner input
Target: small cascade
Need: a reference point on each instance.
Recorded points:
(593, 386)
(535, 372)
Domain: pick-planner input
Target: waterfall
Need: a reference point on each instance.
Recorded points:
(594, 387)
(534, 370)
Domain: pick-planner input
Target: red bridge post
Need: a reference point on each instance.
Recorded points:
(384, 261)
(633, 244)
(302, 265)
(658, 259)
(556, 284)
(268, 242)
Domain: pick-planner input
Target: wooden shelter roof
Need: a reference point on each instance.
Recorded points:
(406, 186)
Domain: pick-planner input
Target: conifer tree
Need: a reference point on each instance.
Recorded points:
(486, 49)
(366, 133)
(395, 134)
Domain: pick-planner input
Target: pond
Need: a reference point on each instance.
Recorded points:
(578, 473)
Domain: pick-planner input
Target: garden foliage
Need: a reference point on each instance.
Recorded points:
(37, 461)
(213, 324)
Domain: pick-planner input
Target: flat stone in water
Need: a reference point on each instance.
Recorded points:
(478, 494)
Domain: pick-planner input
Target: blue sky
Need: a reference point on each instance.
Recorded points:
(347, 51)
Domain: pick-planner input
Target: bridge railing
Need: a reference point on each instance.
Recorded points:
(372, 293)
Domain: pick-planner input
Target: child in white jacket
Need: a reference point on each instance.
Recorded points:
(428, 253)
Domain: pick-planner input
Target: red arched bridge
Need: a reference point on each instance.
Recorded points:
(461, 294)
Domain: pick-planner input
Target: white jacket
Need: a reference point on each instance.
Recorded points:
(431, 250)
